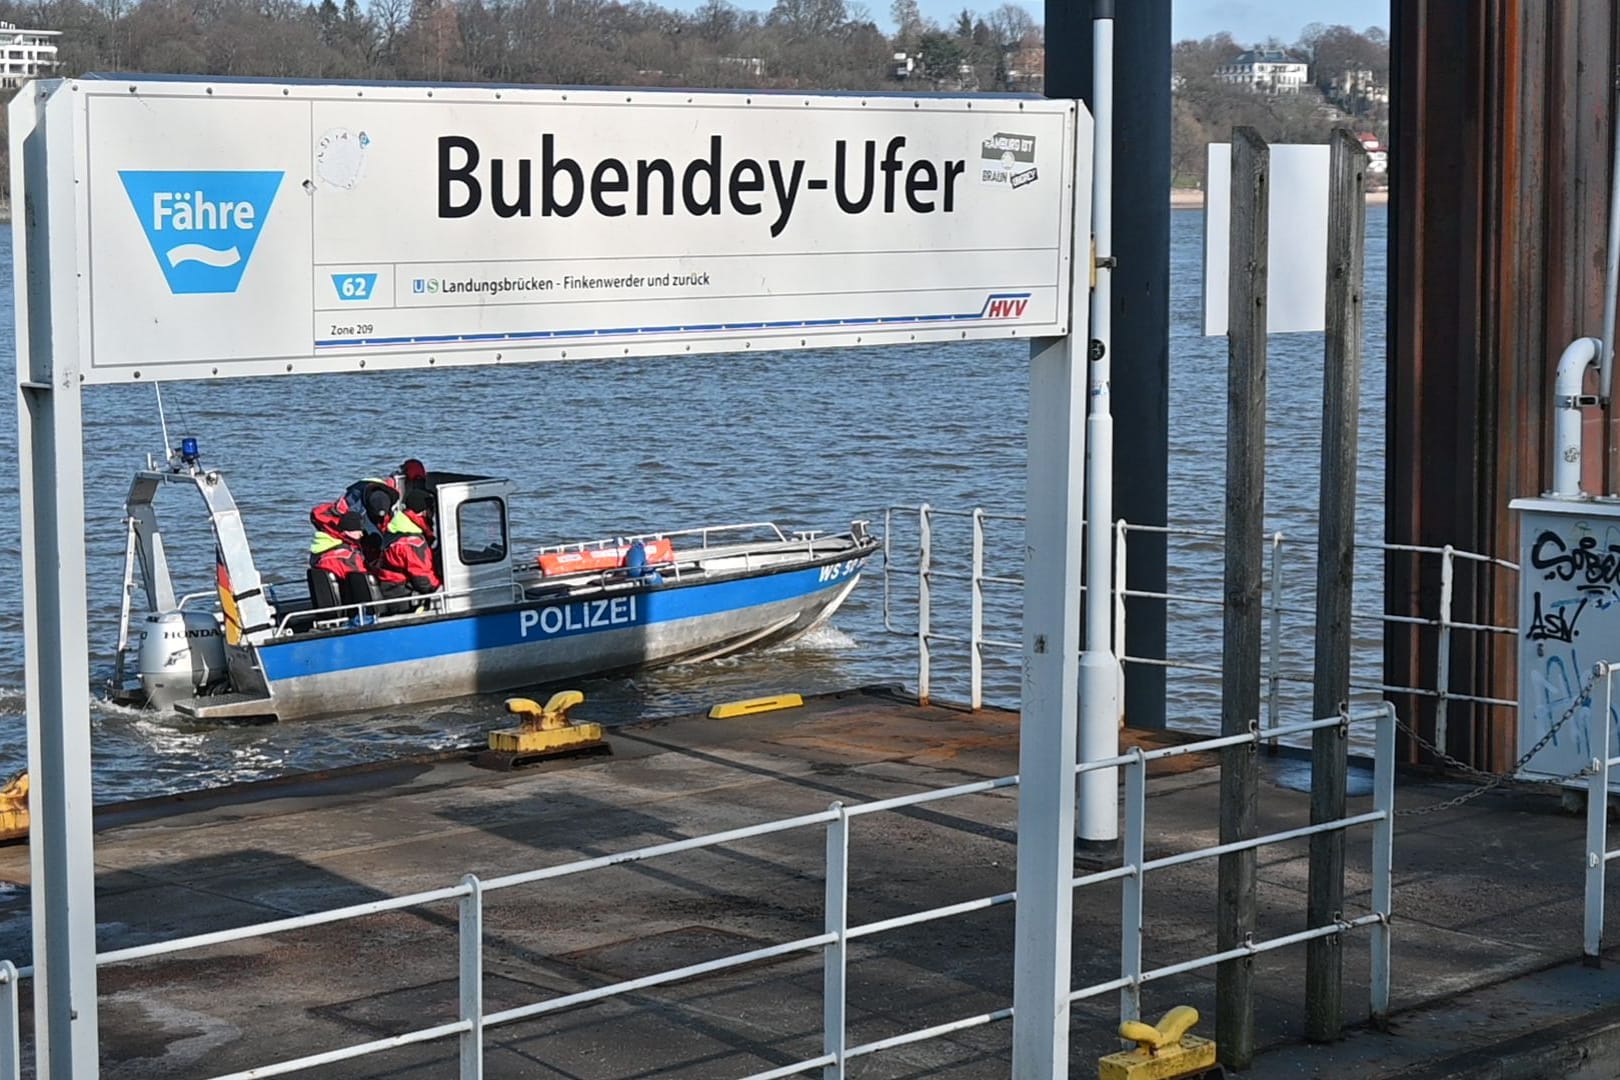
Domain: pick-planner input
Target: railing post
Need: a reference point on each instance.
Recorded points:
(888, 531)
(1442, 662)
(1274, 652)
(834, 955)
(10, 1029)
(1120, 589)
(1383, 854)
(976, 632)
(1130, 916)
(472, 978)
(1597, 822)
(925, 555)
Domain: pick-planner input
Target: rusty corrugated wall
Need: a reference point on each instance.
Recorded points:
(1500, 158)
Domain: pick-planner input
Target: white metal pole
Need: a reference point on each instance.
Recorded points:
(1611, 277)
(925, 604)
(1383, 861)
(1098, 819)
(1051, 659)
(1597, 820)
(834, 956)
(471, 978)
(50, 459)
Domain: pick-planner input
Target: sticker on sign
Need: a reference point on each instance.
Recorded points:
(318, 229)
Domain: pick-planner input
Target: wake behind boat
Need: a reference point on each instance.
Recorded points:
(286, 651)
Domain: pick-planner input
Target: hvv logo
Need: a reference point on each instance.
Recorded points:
(202, 225)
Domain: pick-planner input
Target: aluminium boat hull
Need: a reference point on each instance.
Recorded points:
(542, 641)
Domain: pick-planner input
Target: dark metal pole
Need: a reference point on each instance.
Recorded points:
(1241, 637)
(1335, 574)
(1140, 345)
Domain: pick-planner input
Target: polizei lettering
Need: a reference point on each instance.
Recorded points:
(573, 618)
(871, 176)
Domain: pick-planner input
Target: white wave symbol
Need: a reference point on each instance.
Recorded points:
(204, 254)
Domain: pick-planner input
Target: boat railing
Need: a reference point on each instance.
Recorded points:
(426, 603)
(704, 533)
(832, 944)
(914, 562)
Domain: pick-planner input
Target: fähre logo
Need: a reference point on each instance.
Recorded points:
(1006, 307)
(202, 226)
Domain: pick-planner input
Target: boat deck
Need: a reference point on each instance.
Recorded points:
(1486, 942)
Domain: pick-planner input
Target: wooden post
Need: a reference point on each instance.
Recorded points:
(1335, 574)
(1245, 523)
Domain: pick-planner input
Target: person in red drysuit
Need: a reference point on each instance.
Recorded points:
(404, 566)
(340, 551)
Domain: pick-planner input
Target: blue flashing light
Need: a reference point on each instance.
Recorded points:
(188, 450)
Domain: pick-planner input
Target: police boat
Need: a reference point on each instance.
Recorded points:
(253, 650)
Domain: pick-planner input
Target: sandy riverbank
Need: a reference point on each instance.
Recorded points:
(1193, 199)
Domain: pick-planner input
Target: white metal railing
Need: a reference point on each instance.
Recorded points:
(927, 632)
(1598, 855)
(472, 1021)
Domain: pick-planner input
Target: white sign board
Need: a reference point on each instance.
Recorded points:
(247, 229)
(1569, 619)
(1296, 285)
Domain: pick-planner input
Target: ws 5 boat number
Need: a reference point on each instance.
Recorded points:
(840, 570)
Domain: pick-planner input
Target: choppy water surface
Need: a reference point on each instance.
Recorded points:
(595, 448)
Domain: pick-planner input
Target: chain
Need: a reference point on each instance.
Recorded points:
(1496, 780)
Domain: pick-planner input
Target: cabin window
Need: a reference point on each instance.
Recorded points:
(481, 528)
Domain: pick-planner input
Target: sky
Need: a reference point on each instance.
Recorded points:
(1250, 21)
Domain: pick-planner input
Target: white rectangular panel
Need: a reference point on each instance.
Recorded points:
(1296, 285)
(259, 228)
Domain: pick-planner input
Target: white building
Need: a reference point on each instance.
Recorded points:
(1360, 87)
(26, 54)
(1267, 72)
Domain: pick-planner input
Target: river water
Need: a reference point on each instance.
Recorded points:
(809, 439)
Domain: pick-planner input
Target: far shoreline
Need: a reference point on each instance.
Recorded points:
(1193, 199)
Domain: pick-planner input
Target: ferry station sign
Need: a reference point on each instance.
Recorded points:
(225, 229)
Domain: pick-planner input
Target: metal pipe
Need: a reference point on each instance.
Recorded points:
(348, 1052)
(834, 958)
(1611, 278)
(1580, 356)
(1383, 867)
(791, 1070)
(1597, 822)
(1097, 813)
(976, 619)
(1442, 662)
(932, 915)
(10, 1027)
(1262, 841)
(1274, 653)
(471, 979)
(925, 556)
(928, 1033)
(1130, 897)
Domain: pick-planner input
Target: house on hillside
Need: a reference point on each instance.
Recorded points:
(1266, 72)
(1354, 90)
(25, 54)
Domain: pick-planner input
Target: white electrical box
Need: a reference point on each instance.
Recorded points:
(1569, 620)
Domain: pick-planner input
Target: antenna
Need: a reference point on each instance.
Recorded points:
(162, 420)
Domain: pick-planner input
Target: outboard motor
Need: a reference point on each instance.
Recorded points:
(182, 654)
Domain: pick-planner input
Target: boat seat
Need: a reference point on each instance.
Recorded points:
(361, 589)
(324, 589)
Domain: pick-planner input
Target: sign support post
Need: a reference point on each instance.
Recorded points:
(1047, 733)
(50, 458)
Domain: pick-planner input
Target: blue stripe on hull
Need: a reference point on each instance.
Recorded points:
(537, 622)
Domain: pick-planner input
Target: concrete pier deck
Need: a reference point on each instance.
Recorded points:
(1486, 939)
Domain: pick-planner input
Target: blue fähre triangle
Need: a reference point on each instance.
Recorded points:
(202, 226)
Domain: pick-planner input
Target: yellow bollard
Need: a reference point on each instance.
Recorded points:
(14, 807)
(546, 728)
(1164, 1051)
